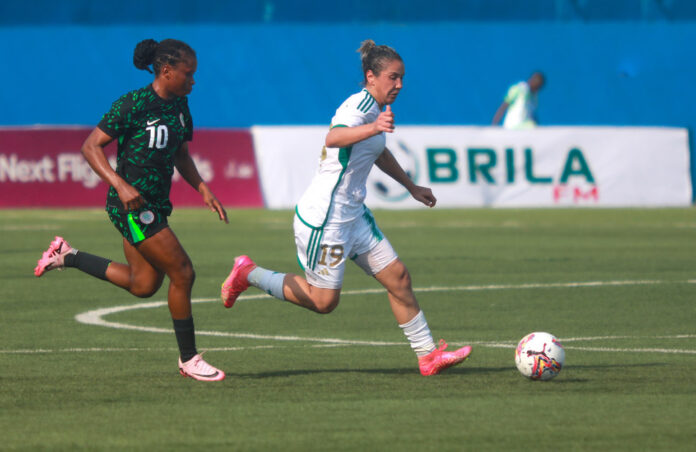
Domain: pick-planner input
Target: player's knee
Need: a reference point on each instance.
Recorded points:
(145, 290)
(402, 278)
(143, 293)
(190, 275)
(326, 308)
(325, 304)
(183, 274)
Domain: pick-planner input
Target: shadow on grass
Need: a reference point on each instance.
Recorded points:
(399, 371)
(303, 372)
(460, 370)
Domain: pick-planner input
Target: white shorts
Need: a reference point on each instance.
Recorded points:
(321, 252)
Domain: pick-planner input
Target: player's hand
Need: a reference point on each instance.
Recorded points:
(424, 195)
(385, 121)
(130, 197)
(214, 205)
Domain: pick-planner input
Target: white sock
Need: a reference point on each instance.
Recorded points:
(267, 280)
(418, 334)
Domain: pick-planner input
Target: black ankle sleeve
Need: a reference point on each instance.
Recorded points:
(88, 263)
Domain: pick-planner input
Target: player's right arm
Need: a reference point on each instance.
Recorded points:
(510, 97)
(341, 137)
(499, 113)
(93, 151)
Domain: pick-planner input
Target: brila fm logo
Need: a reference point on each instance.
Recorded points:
(575, 181)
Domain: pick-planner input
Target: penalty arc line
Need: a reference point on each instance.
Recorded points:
(95, 317)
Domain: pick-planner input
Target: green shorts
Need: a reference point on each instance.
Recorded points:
(138, 225)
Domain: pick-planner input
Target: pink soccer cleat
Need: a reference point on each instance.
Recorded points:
(200, 370)
(237, 282)
(439, 360)
(53, 258)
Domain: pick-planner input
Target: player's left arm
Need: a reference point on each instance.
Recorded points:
(187, 168)
(387, 163)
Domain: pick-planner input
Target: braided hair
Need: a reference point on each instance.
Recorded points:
(169, 51)
(374, 58)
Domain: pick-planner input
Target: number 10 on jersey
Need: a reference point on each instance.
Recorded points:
(159, 135)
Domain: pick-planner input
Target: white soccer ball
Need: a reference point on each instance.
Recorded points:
(539, 356)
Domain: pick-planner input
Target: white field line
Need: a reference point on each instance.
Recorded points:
(599, 338)
(512, 346)
(28, 227)
(95, 317)
(38, 351)
(633, 350)
(261, 347)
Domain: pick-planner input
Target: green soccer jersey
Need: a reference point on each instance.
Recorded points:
(149, 130)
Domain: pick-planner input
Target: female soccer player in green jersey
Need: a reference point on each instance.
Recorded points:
(332, 223)
(153, 126)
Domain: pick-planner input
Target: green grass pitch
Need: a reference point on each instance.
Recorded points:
(617, 286)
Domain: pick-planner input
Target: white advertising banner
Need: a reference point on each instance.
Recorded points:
(490, 166)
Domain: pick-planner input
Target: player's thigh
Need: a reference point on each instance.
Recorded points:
(371, 250)
(165, 253)
(143, 275)
(321, 252)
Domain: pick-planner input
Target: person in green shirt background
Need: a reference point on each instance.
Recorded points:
(520, 104)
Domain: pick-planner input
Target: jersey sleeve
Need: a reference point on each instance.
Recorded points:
(512, 93)
(115, 122)
(348, 115)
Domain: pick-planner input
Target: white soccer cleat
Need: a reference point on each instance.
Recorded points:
(198, 369)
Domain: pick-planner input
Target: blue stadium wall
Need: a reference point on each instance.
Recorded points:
(456, 73)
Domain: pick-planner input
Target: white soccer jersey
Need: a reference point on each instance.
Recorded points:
(522, 104)
(337, 191)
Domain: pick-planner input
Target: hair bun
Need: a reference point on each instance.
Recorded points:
(144, 54)
(365, 48)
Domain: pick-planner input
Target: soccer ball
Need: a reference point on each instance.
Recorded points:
(539, 356)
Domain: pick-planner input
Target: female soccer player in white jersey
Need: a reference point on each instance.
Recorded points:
(332, 223)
